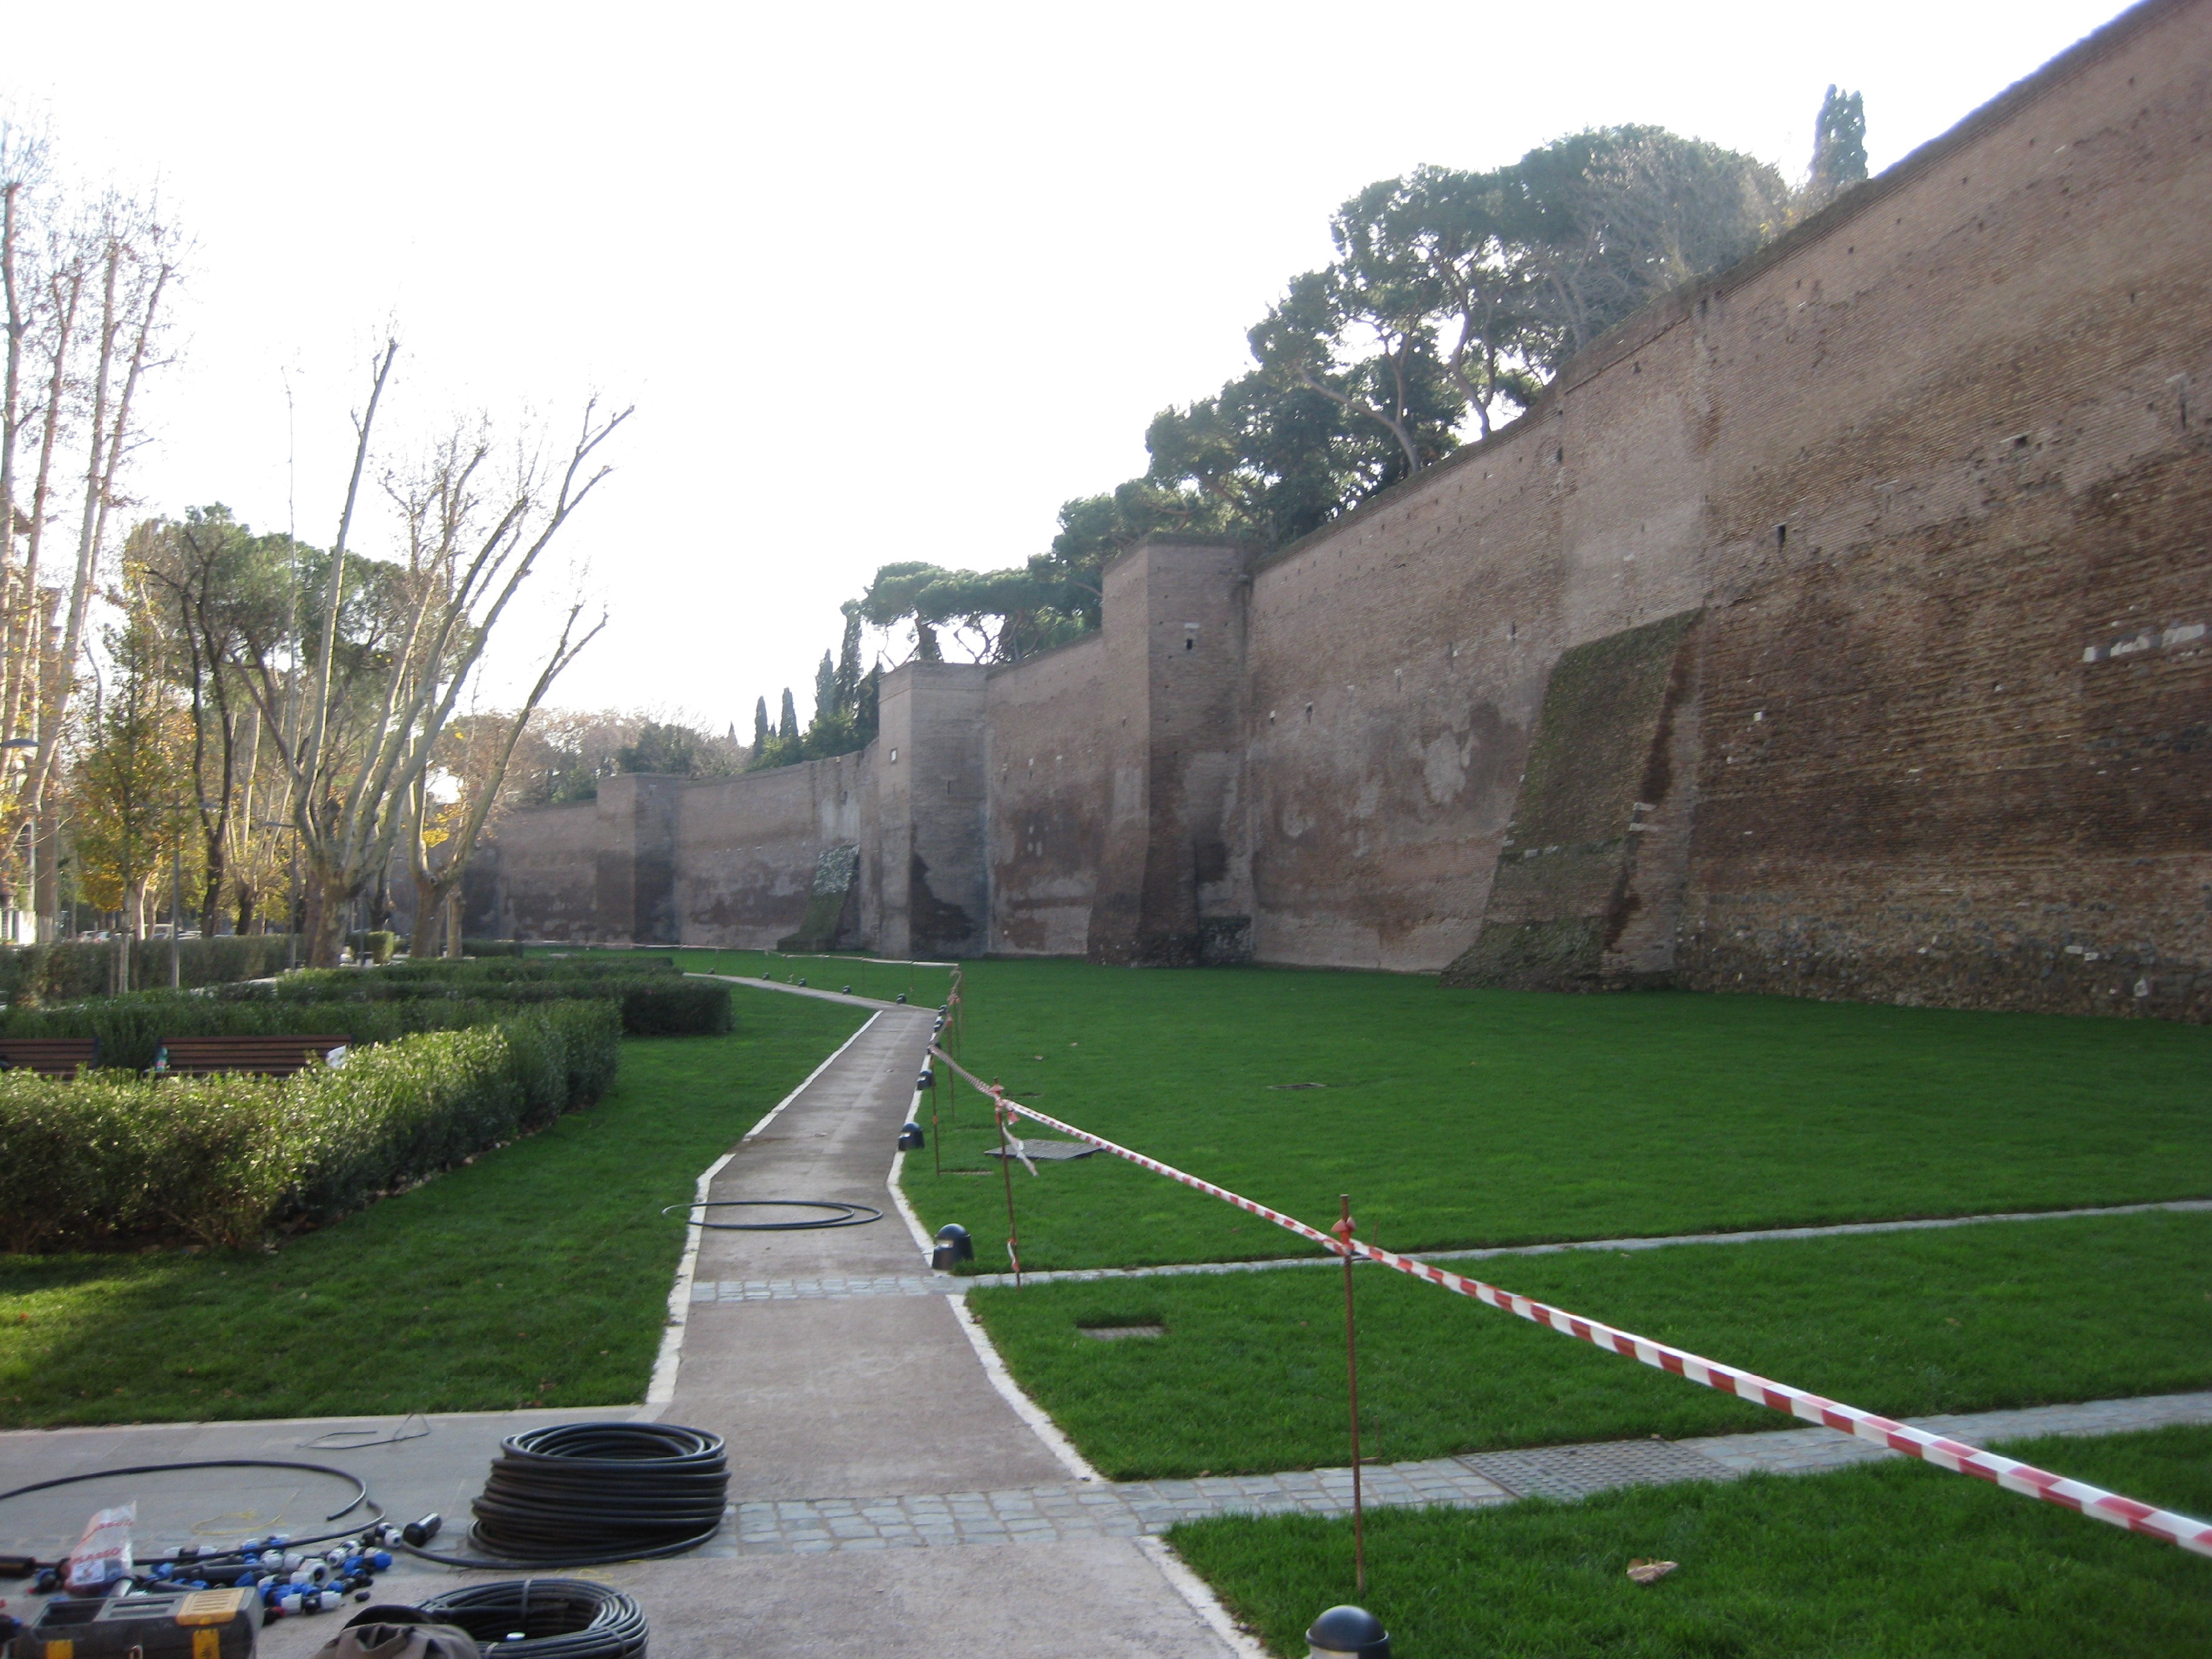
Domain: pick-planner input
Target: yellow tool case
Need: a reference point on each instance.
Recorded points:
(209, 1623)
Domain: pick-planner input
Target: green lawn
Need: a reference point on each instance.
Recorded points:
(537, 1275)
(1892, 1559)
(886, 981)
(1493, 1117)
(1249, 1374)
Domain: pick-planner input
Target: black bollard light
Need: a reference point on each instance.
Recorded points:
(953, 1247)
(926, 1079)
(1347, 1632)
(901, 996)
(910, 1139)
(848, 990)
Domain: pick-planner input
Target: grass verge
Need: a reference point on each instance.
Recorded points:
(1249, 1375)
(536, 1275)
(1458, 1117)
(1894, 1558)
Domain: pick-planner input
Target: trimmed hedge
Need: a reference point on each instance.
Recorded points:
(436, 971)
(663, 1006)
(131, 1027)
(62, 972)
(225, 1160)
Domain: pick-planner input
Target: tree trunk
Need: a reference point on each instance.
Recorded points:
(322, 927)
(453, 922)
(423, 942)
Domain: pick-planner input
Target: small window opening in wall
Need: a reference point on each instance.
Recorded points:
(1270, 717)
(1512, 631)
(1559, 455)
(2019, 441)
(894, 757)
(1782, 535)
(1309, 713)
(1190, 645)
(948, 786)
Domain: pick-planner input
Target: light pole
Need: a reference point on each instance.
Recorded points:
(31, 843)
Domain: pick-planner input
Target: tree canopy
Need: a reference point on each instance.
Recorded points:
(1453, 297)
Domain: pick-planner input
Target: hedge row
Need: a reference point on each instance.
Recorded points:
(131, 1029)
(621, 965)
(349, 982)
(61, 972)
(663, 1006)
(223, 1161)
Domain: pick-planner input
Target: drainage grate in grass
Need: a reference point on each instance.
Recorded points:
(1119, 1333)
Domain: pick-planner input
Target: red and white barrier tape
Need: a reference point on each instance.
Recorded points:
(1954, 1456)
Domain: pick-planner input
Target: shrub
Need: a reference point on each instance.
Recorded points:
(689, 1007)
(663, 1004)
(223, 1160)
(373, 945)
(129, 1029)
(511, 971)
(43, 973)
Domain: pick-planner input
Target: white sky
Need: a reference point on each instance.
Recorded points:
(884, 281)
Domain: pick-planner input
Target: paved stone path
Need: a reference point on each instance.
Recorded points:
(1770, 1235)
(786, 1290)
(1050, 1514)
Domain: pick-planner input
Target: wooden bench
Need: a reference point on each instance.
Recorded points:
(48, 1056)
(258, 1056)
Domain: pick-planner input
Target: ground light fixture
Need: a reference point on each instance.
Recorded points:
(1348, 1632)
(910, 1139)
(953, 1247)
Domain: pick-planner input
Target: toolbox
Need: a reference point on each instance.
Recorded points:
(209, 1623)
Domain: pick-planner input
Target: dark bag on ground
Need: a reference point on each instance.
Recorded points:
(387, 1631)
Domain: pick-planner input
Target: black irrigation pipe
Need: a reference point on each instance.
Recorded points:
(851, 1214)
(554, 1618)
(588, 1494)
(360, 1488)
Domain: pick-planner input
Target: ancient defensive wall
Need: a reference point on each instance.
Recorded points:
(1836, 626)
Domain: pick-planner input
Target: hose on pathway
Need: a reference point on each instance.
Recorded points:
(587, 1494)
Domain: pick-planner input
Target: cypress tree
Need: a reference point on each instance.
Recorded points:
(786, 728)
(760, 726)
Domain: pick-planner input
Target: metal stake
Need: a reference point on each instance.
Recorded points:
(1006, 1169)
(1343, 1231)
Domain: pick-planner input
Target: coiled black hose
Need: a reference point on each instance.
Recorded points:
(583, 1494)
(553, 1618)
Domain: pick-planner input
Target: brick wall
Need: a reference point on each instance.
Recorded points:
(1928, 471)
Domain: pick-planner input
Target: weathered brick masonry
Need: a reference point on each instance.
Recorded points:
(1896, 543)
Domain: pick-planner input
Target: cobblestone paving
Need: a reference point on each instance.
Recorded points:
(1129, 1509)
(806, 1290)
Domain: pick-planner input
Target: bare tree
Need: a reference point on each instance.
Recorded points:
(83, 295)
(486, 750)
(358, 741)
